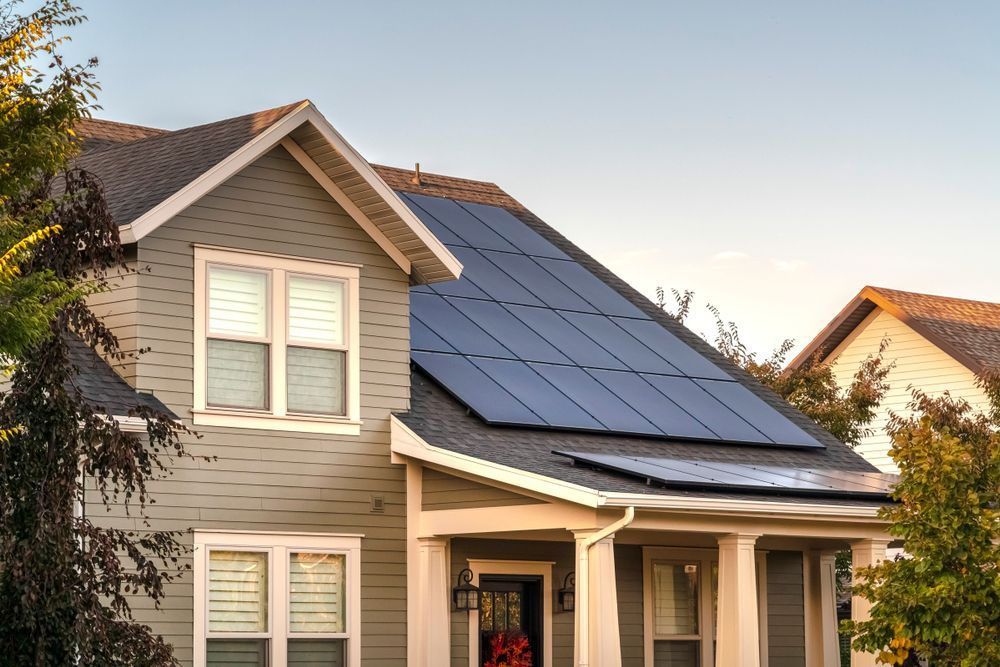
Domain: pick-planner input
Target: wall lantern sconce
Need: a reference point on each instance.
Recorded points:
(465, 595)
(567, 594)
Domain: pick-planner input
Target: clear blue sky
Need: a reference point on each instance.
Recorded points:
(772, 156)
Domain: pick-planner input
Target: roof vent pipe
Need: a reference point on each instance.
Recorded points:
(416, 175)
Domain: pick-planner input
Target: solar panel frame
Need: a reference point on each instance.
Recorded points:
(515, 231)
(684, 474)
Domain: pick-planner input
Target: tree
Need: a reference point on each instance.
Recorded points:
(812, 387)
(65, 580)
(942, 600)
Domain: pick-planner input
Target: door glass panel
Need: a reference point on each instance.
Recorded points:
(486, 611)
(499, 611)
(513, 611)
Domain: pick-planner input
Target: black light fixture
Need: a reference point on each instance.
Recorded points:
(465, 595)
(567, 594)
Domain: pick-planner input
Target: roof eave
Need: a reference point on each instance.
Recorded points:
(425, 257)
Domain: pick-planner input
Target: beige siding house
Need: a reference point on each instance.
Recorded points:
(936, 344)
(433, 426)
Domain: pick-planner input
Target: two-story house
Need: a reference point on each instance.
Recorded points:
(436, 423)
(935, 344)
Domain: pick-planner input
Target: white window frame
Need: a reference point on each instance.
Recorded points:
(705, 559)
(279, 547)
(277, 416)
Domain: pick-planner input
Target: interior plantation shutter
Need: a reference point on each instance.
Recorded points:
(237, 592)
(317, 584)
(316, 369)
(237, 353)
(675, 599)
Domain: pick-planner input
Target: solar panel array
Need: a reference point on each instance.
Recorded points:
(685, 474)
(530, 337)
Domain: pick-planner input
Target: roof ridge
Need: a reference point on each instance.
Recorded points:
(886, 291)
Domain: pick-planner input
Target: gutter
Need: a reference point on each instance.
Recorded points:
(583, 579)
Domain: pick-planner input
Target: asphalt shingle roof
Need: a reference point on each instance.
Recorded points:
(104, 389)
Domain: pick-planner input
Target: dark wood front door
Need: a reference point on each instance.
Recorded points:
(513, 606)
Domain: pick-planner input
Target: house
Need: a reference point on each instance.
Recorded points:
(937, 344)
(435, 420)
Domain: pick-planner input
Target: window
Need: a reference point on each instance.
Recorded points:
(277, 599)
(277, 342)
(682, 602)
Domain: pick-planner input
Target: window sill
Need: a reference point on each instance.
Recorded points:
(297, 423)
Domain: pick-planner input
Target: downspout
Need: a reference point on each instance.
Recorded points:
(583, 579)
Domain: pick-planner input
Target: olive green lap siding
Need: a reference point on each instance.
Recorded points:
(442, 491)
(786, 643)
(275, 480)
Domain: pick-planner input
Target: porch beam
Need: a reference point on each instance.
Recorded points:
(738, 633)
(507, 518)
(778, 527)
(864, 553)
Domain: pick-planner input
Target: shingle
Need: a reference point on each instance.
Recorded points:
(140, 174)
(104, 389)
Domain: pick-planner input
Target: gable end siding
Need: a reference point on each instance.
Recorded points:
(919, 363)
(277, 480)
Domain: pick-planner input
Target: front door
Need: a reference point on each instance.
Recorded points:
(510, 617)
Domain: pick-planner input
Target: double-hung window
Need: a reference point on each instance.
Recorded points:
(681, 603)
(277, 342)
(277, 600)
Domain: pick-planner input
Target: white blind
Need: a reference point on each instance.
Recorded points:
(316, 652)
(237, 374)
(237, 302)
(315, 310)
(237, 591)
(316, 380)
(316, 593)
(675, 599)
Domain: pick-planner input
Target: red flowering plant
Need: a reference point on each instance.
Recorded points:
(509, 649)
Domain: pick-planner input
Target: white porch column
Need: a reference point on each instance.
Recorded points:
(864, 553)
(432, 620)
(822, 640)
(596, 614)
(738, 632)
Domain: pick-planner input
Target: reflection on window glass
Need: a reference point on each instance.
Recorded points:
(499, 611)
(675, 599)
(676, 653)
(486, 611)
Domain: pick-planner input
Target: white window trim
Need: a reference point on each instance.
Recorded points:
(278, 546)
(705, 558)
(277, 416)
(513, 567)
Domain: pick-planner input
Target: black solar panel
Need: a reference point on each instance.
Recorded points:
(530, 337)
(690, 475)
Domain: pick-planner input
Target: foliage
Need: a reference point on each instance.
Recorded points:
(812, 387)
(509, 649)
(65, 581)
(41, 98)
(941, 601)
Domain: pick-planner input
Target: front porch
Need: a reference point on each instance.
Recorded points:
(694, 582)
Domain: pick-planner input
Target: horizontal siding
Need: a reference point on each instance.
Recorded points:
(119, 309)
(786, 639)
(919, 363)
(447, 492)
(272, 480)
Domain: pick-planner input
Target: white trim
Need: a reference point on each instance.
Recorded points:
(480, 566)
(406, 443)
(260, 145)
(705, 558)
(277, 417)
(278, 546)
(346, 203)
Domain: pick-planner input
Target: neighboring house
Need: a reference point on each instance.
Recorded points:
(412, 386)
(937, 344)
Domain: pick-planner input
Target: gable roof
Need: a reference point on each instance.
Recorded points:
(444, 422)
(968, 331)
(151, 175)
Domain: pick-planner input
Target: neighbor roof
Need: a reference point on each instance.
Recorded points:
(103, 389)
(150, 175)
(444, 422)
(968, 331)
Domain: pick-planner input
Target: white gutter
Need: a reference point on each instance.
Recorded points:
(583, 581)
